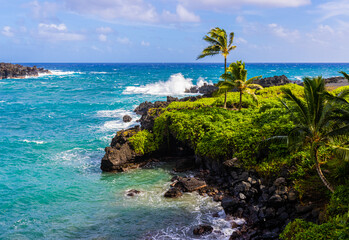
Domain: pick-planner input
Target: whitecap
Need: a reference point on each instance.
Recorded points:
(175, 85)
(33, 141)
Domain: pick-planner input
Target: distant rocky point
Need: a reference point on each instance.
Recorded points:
(9, 70)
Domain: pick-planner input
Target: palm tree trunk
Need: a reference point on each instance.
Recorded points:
(319, 172)
(225, 94)
(240, 105)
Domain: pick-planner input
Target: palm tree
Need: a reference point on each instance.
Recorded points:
(318, 123)
(218, 43)
(236, 77)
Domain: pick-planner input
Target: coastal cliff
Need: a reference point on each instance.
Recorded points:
(252, 182)
(8, 70)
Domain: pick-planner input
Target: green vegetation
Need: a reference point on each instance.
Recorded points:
(218, 43)
(314, 121)
(236, 77)
(335, 228)
(317, 125)
(143, 142)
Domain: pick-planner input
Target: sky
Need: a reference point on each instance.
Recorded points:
(172, 30)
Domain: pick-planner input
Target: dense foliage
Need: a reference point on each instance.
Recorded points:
(337, 226)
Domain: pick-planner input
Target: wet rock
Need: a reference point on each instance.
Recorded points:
(191, 184)
(132, 192)
(127, 118)
(171, 99)
(202, 230)
(173, 193)
(8, 70)
(120, 156)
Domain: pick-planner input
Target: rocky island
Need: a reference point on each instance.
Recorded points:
(8, 70)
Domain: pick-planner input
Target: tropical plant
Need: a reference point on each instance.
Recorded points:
(218, 43)
(345, 75)
(317, 123)
(236, 77)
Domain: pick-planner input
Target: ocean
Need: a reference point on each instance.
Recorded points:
(53, 131)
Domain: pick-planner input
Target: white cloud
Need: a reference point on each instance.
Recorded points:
(102, 37)
(56, 33)
(54, 27)
(44, 11)
(130, 10)
(334, 9)
(133, 10)
(104, 30)
(281, 32)
(145, 44)
(186, 16)
(229, 4)
(240, 40)
(7, 31)
(123, 40)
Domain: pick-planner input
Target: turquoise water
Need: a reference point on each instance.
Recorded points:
(53, 130)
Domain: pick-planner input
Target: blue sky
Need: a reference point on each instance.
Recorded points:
(172, 30)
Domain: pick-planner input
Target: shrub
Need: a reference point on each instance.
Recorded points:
(143, 142)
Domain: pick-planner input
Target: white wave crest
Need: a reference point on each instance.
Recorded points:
(58, 73)
(175, 85)
(118, 123)
(33, 141)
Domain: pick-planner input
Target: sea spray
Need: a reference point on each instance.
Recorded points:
(175, 85)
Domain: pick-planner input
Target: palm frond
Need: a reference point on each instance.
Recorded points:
(342, 152)
(345, 75)
(254, 79)
(231, 39)
(299, 105)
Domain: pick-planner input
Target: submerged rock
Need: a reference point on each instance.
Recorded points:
(202, 230)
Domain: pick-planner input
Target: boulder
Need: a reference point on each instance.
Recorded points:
(127, 118)
(191, 184)
(173, 193)
(120, 156)
(132, 192)
(202, 230)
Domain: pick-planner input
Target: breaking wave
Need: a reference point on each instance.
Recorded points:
(175, 85)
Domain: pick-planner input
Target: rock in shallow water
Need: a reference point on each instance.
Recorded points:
(202, 230)
(127, 118)
(173, 193)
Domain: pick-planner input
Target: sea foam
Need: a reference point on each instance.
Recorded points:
(175, 85)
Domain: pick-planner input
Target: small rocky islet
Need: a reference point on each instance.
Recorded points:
(9, 70)
(266, 204)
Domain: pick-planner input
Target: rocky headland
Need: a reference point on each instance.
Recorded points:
(8, 70)
(266, 204)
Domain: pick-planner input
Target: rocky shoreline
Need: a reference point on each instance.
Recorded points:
(8, 70)
(267, 205)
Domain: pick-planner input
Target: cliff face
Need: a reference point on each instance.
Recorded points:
(8, 70)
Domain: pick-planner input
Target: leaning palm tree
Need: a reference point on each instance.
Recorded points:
(236, 77)
(218, 43)
(317, 123)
